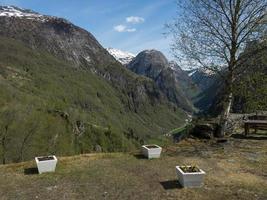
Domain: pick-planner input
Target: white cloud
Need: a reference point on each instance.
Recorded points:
(135, 19)
(131, 20)
(122, 28)
(131, 29)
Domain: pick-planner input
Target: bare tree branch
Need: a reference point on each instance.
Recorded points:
(213, 33)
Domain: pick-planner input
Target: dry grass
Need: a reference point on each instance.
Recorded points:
(235, 170)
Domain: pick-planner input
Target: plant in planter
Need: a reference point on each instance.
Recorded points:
(46, 163)
(190, 176)
(151, 151)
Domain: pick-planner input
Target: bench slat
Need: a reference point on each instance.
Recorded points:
(256, 124)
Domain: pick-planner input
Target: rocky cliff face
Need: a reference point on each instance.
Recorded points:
(72, 44)
(190, 88)
(207, 85)
(169, 77)
(149, 63)
(56, 35)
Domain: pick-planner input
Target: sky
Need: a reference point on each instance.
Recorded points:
(128, 25)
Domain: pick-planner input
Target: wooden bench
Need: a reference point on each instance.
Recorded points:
(257, 117)
(256, 124)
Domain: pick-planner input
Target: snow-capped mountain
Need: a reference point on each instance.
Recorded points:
(121, 56)
(13, 11)
(206, 72)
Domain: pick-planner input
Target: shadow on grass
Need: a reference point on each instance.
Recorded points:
(31, 171)
(249, 137)
(171, 185)
(221, 141)
(140, 156)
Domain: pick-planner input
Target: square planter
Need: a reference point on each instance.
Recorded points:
(151, 151)
(46, 163)
(190, 179)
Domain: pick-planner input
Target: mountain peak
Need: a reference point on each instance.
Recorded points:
(121, 56)
(151, 51)
(150, 57)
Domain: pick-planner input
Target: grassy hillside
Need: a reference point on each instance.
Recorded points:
(251, 87)
(235, 170)
(48, 106)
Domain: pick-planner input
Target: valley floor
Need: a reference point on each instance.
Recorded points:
(236, 169)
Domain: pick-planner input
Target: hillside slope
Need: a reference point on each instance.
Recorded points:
(63, 93)
(251, 87)
(47, 106)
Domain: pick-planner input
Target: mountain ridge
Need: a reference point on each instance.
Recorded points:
(63, 93)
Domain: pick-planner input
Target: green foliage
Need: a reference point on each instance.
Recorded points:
(252, 92)
(190, 169)
(42, 98)
(251, 88)
(177, 130)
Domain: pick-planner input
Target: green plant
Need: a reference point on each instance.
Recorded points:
(190, 168)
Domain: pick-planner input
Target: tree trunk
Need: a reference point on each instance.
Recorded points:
(231, 66)
(230, 78)
(229, 99)
(225, 115)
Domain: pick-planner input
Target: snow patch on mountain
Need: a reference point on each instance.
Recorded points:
(192, 72)
(121, 56)
(13, 11)
(205, 72)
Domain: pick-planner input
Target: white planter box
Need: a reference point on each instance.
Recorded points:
(46, 163)
(151, 151)
(193, 179)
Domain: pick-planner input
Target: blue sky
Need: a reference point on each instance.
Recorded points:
(129, 25)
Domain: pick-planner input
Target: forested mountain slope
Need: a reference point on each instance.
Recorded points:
(63, 93)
